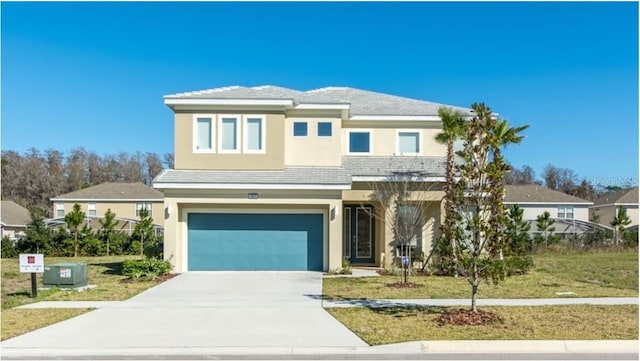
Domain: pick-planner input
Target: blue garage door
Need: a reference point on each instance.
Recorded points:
(232, 241)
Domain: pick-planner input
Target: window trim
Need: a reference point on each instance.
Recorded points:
(293, 128)
(194, 138)
(263, 135)
(564, 212)
(330, 130)
(238, 119)
(144, 204)
(418, 131)
(357, 130)
(60, 207)
(92, 206)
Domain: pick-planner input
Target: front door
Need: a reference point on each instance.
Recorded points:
(358, 239)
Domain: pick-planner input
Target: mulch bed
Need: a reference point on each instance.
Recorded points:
(466, 317)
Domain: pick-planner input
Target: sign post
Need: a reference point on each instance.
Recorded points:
(32, 263)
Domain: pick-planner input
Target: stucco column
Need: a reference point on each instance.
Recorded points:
(335, 235)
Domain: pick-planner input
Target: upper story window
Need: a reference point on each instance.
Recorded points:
(229, 134)
(408, 142)
(324, 129)
(59, 209)
(203, 134)
(254, 134)
(359, 141)
(565, 212)
(300, 129)
(91, 209)
(144, 205)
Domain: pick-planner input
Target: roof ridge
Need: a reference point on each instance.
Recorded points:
(205, 91)
(317, 90)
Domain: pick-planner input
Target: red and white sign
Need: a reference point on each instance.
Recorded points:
(31, 263)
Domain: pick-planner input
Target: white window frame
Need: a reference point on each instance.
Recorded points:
(147, 205)
(331, 125)
(293, 128)
(212, 135)
(91, 207)
(564, 212)
(418, 131)
(263, 135)
(238, 132)
(59, 207)
(349, 131)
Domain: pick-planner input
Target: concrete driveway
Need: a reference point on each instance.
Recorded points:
(205, 310)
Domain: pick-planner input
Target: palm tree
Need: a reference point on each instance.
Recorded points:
(74, 219)
(452, 129)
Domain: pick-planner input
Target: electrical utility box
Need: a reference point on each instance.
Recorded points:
(65, 275)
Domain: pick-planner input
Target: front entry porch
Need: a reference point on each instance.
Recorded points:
(359, 240)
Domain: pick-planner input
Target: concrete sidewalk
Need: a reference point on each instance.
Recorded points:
(481, 302)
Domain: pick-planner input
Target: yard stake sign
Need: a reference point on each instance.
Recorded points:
(32, 263)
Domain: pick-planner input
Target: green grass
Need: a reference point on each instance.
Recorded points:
(603, 274)
(104, 272)
(576, 322)
(19, 321)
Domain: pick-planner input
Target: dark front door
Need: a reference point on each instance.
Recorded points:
(358, 239)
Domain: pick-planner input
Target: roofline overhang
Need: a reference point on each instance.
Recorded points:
(248, 102)
(107, 200)
(251, 186)
(615, 204)
(584, 204)
(322, 106)
(386, 179)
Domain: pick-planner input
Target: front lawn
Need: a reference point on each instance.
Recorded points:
(378, 326)
(104, 272)
(602, 274)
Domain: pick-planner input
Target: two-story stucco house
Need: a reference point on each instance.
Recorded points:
(605, 208)
(270, 178)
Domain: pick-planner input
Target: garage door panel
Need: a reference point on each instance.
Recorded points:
(255, 241)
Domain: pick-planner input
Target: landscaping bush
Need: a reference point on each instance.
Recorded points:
(9, 249)
(145, 269)
(518, 265)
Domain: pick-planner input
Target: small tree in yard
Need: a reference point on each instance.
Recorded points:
(478, 198)
(545, 223)
(619, 222)
(143, 231)
(403, 202)
(108, 225)
(74, 219)
(518, 231)
(37, 236)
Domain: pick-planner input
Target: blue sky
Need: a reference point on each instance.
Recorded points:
(93, 74)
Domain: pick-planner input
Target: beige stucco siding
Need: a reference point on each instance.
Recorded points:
(609, 212)
(122, 209)
(312, 150)
(532, 211)
(186, 158)
(184, 202)
(384, 137)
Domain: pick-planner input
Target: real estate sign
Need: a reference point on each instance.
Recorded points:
(31, 263)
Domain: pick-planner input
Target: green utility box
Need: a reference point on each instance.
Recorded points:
(65, 275)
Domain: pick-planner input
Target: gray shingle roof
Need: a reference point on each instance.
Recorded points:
(533, 193)
(132, 191)
(14, 214)
(289, 175)
(625, 196)
(363, 102)
(383, 166)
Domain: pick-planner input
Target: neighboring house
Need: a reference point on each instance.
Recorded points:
(14, 220)
(124, 199)
(270, 178)
(606, 207)
(571, 213)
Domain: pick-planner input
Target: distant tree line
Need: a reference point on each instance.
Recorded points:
(32, 178)
(561, 179)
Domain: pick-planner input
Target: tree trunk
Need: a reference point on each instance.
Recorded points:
(142, 244)
(474, 286)
(107, 246)
(75, 248)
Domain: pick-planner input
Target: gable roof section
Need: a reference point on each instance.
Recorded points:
(536, 194)
(369, 166)
(113, 191)
(360, 102)
(14, 214)
(288, 178)
(627, 196)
